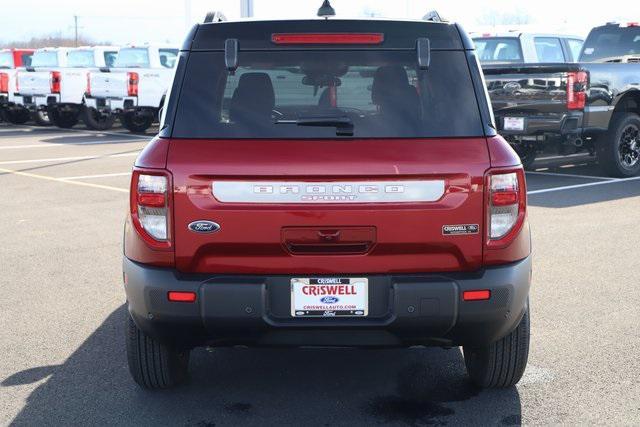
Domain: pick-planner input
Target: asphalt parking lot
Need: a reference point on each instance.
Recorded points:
(64, 197)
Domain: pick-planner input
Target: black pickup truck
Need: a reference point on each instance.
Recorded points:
(592, 105)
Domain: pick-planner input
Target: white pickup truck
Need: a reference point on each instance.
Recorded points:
(135, 87)
(516, 46)
(10, 60)
(57, 81)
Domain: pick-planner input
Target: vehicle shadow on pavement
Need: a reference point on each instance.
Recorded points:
(263, 387)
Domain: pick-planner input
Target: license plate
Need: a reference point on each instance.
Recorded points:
(513, 123)
(329, 297)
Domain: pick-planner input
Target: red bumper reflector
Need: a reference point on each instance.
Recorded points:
(476, 295)
(156, 200)
(180, 296)
(327, 38)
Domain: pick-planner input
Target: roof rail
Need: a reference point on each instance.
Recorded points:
(433, 16)
(214, 16)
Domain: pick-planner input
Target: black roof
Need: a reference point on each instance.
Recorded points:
(256, 35)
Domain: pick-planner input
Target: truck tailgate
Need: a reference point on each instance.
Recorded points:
(108, 84)
(535, 90)
(34, 82)
(323, 206)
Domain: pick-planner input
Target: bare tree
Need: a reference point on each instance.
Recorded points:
(51, 40)
(494, 17)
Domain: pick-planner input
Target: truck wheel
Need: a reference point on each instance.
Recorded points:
(137, 122)
(63, 119)
(96, 120)
(502, 363)
(17, 116)
(41, 117)
(527, 156)
(619, 148)
(154, 365)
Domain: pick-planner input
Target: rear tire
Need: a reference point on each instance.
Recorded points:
(17, 116)
(96, 120)
(63, 119)
(41, 117)
(502, 363)
(154, 365)
(619, 148)
(137, 122)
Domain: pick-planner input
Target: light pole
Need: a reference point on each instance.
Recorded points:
(246, 8)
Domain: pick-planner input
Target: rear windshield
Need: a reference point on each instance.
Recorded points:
(45, 59)
(132, 58)
(611, 43)
(6, 60)
(324, 94)
(498, 50)
(81, 59)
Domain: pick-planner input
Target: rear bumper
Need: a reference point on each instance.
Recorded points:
(111, 104)
(35, 102)
(562, 124)
(424, 309)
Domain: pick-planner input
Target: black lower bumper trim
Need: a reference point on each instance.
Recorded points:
(420, 309)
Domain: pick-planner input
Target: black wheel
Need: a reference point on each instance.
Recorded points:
(527, 155)
(137, 122)
(96, 120)
(154, 365)
(502, 363)
(63, 119)
(619, 148)
(41, 117)
(17, 116)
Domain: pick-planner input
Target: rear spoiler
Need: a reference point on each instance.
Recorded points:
(493, 69)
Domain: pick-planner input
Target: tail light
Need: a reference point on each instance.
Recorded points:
(132, 83)
(576, 90)
(507, 205)
(4, 83)
(55, 80)
(150, 207)
(88, 90)
(327, 38)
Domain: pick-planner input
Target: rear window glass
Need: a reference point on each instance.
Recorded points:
(6, 60)
(168, 57)
(110, 58)
(295, 94)
(45, 59)
(498, 49)
(549, 49)
(609, 44)
(81, 59)
(132, 58)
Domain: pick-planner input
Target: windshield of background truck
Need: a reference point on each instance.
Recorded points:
(379, 93)
(81, 59)
(494, 49)
(132, 58)
(6, 60)
(45, 59)
(610, 43)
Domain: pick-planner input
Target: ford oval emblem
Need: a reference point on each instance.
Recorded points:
(329, 300)
(204, 227)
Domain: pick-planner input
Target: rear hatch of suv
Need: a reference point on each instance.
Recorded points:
(340, 154)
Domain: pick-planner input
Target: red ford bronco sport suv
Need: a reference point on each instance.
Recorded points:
(327, 183)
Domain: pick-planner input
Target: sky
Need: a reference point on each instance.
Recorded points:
(139, 21)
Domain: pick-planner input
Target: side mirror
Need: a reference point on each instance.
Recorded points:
(231, 55)
(423, 48)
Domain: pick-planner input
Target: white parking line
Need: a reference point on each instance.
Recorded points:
(103, 175)
(99, 132)
(55, 144)
(64, 159)
(590, 184)
(50, 178)
(563, 157)
(570, 175)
